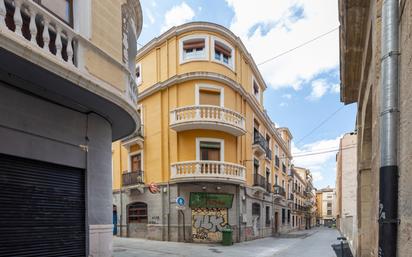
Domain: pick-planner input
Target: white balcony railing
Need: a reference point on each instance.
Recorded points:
(48, 34)
(208, 170)
(212, 117)
(56, 37)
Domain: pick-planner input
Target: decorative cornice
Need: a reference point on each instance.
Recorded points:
(225, 80)
(203, 26)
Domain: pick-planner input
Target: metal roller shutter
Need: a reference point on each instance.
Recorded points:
(42, 209)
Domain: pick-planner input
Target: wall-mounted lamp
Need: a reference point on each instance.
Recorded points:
(203, 188)
(218, 188)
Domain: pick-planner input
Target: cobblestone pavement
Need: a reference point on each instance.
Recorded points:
(310, 243)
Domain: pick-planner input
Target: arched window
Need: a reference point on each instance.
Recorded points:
(137, 212)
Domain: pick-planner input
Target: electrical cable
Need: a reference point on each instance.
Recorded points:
(320, 124)
(299, 46)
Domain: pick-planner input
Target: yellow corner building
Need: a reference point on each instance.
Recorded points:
(207, 155)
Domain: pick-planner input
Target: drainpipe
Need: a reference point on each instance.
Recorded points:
(389, 128)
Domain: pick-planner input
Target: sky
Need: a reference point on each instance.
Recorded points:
(303, 84)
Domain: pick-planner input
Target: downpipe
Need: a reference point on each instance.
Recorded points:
(389, 128)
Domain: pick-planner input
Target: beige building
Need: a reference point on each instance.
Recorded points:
(206, 138)
(364, 25)
(346, 189)
(326, 206)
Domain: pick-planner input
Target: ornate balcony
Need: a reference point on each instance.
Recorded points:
(190, 171)
(40, 48)
(279, 191)
(207, 117)
(132, 178)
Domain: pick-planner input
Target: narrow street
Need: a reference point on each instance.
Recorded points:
(314, 243)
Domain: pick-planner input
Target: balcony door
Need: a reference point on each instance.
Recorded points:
(136, 162)
(210, 154)
(209, 97)
(210, 151)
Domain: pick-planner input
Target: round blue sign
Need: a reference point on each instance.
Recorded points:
(180, 201)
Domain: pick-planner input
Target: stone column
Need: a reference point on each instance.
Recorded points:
(99, 187)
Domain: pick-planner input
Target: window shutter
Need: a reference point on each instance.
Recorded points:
(223, 49)
(194, 43)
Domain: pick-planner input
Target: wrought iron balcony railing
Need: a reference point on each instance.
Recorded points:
(258, 139)
(279, 190)
(132, 178)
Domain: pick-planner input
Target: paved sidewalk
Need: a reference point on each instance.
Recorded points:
(309, 243)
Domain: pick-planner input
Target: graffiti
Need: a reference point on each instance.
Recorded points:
(255, 225)
(154, 220)
(211, 223)
(207, 224)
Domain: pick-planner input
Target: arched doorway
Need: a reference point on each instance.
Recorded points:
(137, 220)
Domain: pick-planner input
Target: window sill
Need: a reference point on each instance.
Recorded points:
(231, 67)
(194, 60)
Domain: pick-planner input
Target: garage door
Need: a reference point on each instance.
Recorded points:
(42, 210)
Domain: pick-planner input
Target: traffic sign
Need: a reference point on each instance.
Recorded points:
(180, 201)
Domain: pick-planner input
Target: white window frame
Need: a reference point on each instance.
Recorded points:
(215, 140)
(82, 17)
(258, 97)
(138, 80)
(204, 57)
(231, 63)
(129, 164)
(199, 87)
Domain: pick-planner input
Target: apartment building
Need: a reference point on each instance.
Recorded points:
(375, 57)
(347, 189)
(208, 155)
(301, 196)
(326, 206)
(67, 90)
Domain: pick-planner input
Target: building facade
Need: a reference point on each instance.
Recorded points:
(346, 189)
(362, 54)
(67, 90)
(302, 195)
(326, 206)
(206, 139)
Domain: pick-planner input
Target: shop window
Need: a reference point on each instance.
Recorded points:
(137, 213)
(194, 48)
(283, 216)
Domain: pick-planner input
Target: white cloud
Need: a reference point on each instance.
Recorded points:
(283, 104)
(177, 15)
(150, 16)
(335, 89)
(287, 96)
(308, 156)
(319, 89)
(281, 25)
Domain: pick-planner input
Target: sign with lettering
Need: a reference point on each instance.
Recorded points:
(210, 200)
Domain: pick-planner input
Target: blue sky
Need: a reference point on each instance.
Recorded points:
(303, 85)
